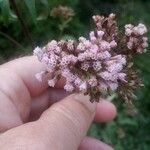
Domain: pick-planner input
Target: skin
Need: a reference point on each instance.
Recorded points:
(34, 116)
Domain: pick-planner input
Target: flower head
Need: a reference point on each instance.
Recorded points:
(97, 65)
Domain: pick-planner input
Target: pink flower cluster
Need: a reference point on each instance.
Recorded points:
(136, 39)
(91, 66)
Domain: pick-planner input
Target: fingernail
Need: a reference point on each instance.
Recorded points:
(85, 100)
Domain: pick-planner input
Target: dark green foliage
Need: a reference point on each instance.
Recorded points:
(131, 129)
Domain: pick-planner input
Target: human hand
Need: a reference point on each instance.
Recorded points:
(37, 119)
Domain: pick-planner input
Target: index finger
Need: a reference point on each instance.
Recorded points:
(26, 68)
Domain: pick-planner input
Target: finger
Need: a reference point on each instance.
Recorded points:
(26, 68)
(19, 85)
(9, 116)
(15, 91)
(75, 113)
(89, 143)
(63, 126)
(43, 101)
(105, 111)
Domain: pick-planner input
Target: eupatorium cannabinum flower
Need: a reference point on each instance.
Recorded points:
(98, 65)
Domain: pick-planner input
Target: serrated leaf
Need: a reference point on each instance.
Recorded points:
(32, 9)
(5, 9)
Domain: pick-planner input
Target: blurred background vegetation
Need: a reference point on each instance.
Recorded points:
(27, 23)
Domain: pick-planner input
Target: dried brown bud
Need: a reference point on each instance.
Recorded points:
(62, 12)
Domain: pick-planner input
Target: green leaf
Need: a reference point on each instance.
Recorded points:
(128, 121)
(45, 3)
(42, 16)
(67, 37)
(5, 9)
(13, 15)
(32, 9)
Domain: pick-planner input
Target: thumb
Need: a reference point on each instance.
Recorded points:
(67, 122)
(63, 126)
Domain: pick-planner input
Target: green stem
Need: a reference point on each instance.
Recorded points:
(12, 40)
(22, 22)
(62, 26)
(112, 97)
